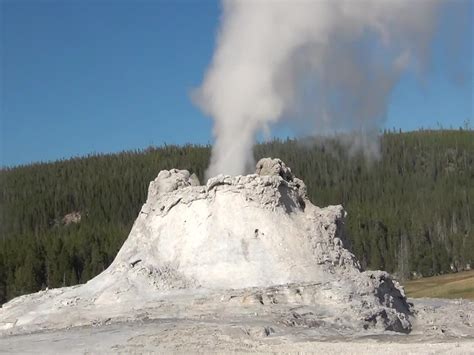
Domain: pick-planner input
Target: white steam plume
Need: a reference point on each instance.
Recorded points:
(327, 64)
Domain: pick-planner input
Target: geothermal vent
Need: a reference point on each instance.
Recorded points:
(238, 245)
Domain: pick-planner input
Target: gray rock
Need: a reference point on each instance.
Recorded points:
(171, 180)
(193, 180)
(269, 166)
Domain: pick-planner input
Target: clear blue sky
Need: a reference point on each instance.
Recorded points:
(85, 76)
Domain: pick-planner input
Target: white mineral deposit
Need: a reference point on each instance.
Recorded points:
(242, 263)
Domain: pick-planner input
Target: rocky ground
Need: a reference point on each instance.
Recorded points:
(439, 326)
(243, 263)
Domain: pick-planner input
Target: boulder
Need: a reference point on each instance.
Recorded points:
(275, 167)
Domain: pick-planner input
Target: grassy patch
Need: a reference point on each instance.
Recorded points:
(458, 285)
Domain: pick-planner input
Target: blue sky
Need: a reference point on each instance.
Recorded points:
(80, 77)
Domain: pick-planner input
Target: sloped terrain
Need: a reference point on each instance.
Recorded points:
(456, 285)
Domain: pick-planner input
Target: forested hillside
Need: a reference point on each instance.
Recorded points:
(411, 211)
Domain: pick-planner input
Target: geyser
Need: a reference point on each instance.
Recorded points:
(327, 65)
(236, 245)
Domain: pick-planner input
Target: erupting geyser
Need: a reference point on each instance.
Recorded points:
(237, 244)
(322, 65)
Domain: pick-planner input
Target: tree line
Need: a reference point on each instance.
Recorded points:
(409, 212)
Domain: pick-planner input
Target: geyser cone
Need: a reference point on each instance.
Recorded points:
(235, 232)
(253, 241)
